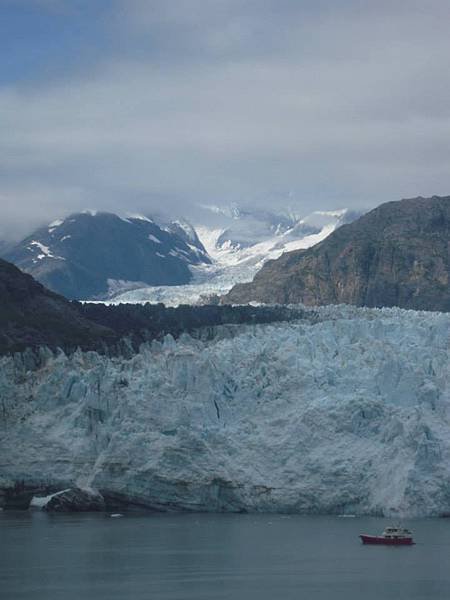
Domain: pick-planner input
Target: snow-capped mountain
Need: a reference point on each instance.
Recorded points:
(93, 255)
(255, 236)
(89, 255)
(345, 412)
(239, 241)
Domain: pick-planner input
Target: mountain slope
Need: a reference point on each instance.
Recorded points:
(86, 255)
(395, 255)
(31, 316)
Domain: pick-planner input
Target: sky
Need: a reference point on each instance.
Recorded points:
(163, 105)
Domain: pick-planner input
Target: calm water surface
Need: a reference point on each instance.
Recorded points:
(212, 557)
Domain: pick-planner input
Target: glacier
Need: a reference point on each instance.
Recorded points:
(230, 265)
(345, 412)
(262, 237)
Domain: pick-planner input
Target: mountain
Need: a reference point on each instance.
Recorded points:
(32, 316)
(395, 255)
(239, 241)
(345, 411)
(243, 233)
(243, 227)
(185, 231)
(90, 255)
(102, 256)
(242, 240)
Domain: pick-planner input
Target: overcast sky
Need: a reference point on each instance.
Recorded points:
(147, 105)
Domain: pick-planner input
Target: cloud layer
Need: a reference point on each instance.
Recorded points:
(163, 105)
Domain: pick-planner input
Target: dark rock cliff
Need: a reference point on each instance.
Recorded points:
(395, 255)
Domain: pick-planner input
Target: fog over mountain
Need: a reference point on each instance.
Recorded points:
(164, 106)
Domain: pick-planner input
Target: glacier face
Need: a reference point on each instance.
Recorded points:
(348, 412)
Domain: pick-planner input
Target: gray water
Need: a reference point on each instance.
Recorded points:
(212, 557)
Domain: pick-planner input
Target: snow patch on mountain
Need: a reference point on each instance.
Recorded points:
(54, 225)
(347, 412)
(139, 217)
(154, 239)
(187, 229)
(45, 251)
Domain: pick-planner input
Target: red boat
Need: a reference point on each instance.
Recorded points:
(391, 536)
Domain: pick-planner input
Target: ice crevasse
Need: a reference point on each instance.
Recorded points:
(345, 413)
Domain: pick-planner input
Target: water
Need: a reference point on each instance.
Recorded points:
(212, 557)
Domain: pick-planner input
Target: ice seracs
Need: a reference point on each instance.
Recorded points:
(345, 412)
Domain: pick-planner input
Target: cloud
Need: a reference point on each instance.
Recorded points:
(312, 103)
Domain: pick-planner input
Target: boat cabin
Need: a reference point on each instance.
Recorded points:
(396, 532)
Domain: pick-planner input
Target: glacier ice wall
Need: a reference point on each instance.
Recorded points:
(350, 414)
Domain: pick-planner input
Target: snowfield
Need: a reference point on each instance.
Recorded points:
(347, 412)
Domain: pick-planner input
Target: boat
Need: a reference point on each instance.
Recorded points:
(391, 536)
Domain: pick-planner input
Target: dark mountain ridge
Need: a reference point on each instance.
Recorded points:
(32, 316)
(395, 255)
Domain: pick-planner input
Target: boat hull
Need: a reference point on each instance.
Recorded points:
(384, 541)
